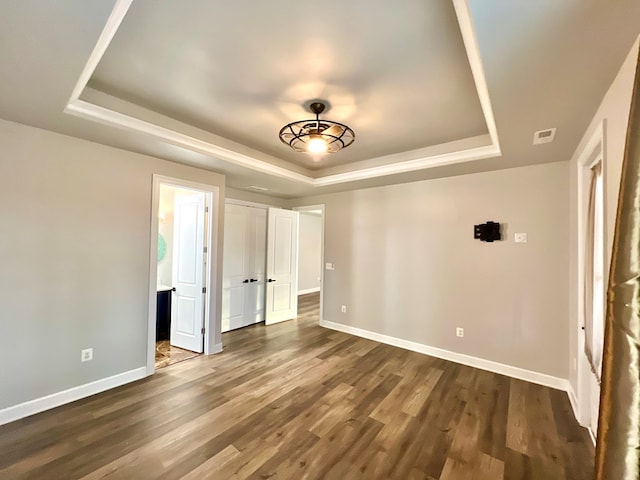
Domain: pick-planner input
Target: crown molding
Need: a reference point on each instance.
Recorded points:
(468, 31)
(83, 109)
(114, 21)
(88, 110)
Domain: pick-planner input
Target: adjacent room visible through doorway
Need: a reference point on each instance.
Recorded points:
(180, 274)
(310, 258)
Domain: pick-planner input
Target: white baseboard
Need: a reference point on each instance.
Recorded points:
(308, 290)
(573, 400)
(495, 367)
(41, 404)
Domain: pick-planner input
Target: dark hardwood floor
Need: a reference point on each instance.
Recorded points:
(296, 401)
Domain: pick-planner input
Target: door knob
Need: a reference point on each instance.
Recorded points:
(246, 280)
(253, 280)
(271, 280)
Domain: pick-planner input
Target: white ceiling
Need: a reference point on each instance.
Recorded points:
(230, 74)
(399, 77)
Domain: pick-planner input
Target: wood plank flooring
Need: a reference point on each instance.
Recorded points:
(296, 401)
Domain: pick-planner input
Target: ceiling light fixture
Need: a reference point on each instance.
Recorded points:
(317, 136)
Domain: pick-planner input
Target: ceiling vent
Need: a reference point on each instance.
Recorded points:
(544, 136)
(256, 188)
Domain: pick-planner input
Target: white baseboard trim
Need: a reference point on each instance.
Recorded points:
(573, 400)
(495, 367)
(41, 404)
(308, 290)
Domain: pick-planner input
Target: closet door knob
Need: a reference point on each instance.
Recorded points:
(253, 280)
(271, 280)
(246, 280)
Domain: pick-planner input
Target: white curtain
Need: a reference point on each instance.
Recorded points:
(594, 274)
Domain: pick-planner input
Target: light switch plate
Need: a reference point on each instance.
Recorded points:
(520, 238)
(329, 266)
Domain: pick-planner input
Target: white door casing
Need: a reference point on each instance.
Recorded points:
(282, 266)
(187, 306)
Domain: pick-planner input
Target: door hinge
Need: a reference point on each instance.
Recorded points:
(204, 289)
(205, 249)
(202, 331)
(206, 209)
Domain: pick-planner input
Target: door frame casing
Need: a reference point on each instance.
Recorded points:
(212, 243)
(315, 208)
(594, 151)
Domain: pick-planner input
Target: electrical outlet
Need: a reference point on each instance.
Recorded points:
(86, 355)
(344, 309)
(459, 332)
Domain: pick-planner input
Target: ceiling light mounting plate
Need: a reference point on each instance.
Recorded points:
(317, 107)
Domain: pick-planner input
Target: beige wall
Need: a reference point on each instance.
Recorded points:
(406, 264)
(74, 240)
(309, 251)
(614, 110)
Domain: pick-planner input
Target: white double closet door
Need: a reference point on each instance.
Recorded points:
(260, 258)
(245, 245)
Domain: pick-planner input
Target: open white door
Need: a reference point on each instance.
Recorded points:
(187, 306)
(282, 266)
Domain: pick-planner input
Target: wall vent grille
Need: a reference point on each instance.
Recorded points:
(544, 136)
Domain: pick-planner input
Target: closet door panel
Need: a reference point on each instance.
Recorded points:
(258, 247)
(235, 267)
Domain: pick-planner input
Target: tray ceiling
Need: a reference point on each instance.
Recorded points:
(222, 78)
(209, 83)
(399, 77)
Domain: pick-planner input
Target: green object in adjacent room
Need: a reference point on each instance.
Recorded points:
(162, 248)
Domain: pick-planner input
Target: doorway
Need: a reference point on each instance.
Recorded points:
(310, 259)
(181, 245)
(183, 238)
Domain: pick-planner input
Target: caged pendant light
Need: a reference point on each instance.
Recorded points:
(317, 136)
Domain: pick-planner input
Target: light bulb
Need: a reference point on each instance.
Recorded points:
(317, 145)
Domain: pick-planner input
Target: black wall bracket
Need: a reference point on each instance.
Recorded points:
(487, 232)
